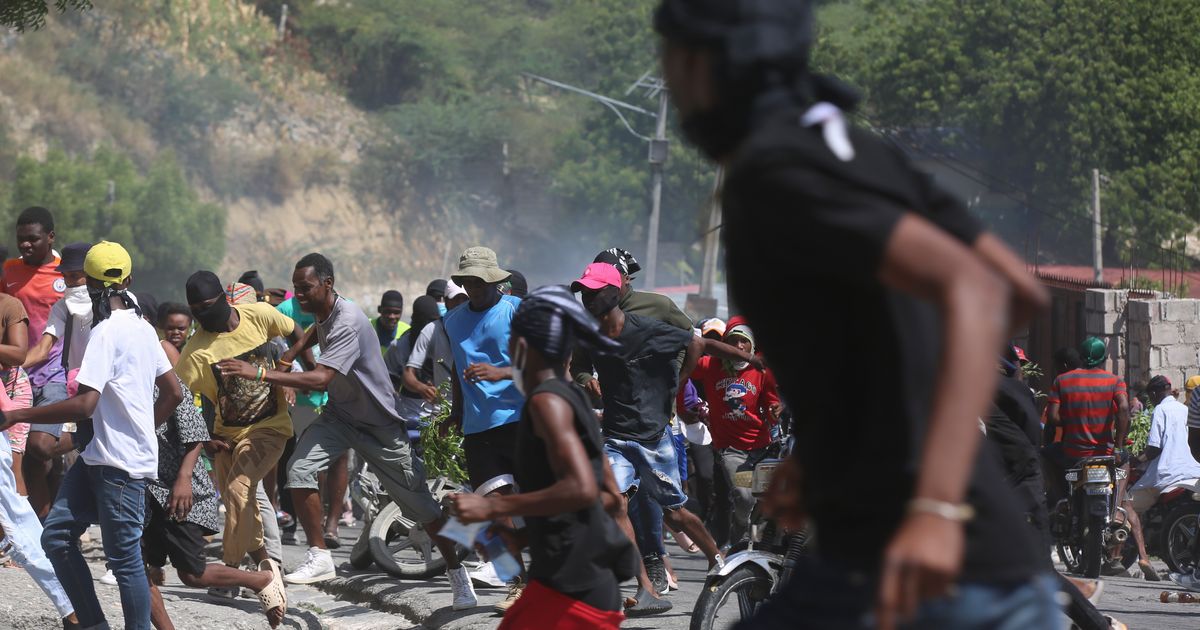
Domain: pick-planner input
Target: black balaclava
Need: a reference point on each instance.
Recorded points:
(203, 286)
(551, 320)
(424, 311)
(519, 286)
(761, 55)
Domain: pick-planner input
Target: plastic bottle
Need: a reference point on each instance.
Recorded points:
(1168, 597)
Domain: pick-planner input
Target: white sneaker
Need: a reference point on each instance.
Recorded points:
(318, 567)
(108, 578)
(1190, 581)
(485, 577)
(464, 593)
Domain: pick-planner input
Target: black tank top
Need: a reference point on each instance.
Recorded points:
(576, 552)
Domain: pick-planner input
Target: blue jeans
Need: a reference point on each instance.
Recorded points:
(651, 468)
(108, 496)
(24, 531)
(647, 516)
(824, 596)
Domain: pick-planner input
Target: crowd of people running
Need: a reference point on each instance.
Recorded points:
(151, 420)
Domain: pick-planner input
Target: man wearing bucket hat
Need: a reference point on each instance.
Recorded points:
(486, 403)
(107, 485)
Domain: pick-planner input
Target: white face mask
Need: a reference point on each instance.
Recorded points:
(78, 300)
(518, 372)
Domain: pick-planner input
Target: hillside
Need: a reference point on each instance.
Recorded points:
(389, 134)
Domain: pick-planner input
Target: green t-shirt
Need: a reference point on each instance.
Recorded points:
(291, 308)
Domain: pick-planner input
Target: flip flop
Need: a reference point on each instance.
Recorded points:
(274, 595)
(332, 542)
(646, 605)
(1149, 572)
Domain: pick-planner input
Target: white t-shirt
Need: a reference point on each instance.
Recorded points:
(1169, 432)
(60, 318)
(122, 361)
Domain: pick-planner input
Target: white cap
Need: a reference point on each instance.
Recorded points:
(697, 433)
(453, 290)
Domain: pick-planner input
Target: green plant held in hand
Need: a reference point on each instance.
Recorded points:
(1139, 429)
(443, 452)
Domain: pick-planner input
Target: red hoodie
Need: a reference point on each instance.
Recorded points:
(739, 403)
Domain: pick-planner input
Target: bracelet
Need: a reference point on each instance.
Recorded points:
(959, 513)
(261, 373)
(287, 365)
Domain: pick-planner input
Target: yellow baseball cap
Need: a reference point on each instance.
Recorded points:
(1192, 383)
(108, 262)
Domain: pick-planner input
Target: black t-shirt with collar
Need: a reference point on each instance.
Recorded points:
(638, 383)
(800, 222)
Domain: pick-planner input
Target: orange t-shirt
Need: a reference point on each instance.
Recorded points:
(38, 288)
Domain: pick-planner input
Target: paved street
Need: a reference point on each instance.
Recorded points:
(370, 600)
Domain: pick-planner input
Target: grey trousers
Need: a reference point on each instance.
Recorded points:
(271, 538)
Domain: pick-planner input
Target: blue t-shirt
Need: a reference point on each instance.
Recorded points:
(482, 337)
(291, 308)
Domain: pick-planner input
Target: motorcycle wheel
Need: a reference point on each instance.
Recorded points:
(726, 600)
(360, 555)
(1179, 530)
(401, 547)
(1093, 547)
(1071, 558)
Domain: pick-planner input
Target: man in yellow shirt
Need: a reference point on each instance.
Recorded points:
(252, 423)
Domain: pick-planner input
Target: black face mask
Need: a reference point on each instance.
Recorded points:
(215, 317)
(601, 302)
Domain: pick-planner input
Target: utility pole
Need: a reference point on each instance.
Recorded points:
(1097, 237)
(712, 239)
(655, 88)
(658, 157)
(282, 23)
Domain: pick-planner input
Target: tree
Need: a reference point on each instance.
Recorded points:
(157, 217)
(1045, 91)
(31, 14)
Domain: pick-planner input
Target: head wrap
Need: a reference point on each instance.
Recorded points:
(436, 289)
(392, 299)
(553, 321)
(761, 56)
(1192, 383)
(239, 293)
(619, 258)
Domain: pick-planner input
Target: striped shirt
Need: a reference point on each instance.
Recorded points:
(1087, 406)
(1193, 417)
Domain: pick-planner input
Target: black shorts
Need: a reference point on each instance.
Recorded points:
(491, 457)
(182, 542)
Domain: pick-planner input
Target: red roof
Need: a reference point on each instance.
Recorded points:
(1115, 276)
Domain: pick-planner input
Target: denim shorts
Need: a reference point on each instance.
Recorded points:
(653, 468)
(48, 394)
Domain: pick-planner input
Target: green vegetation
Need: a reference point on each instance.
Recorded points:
(1139, 429)
(441, 444)
(31, 14)
(1043, 92)
(155, 215)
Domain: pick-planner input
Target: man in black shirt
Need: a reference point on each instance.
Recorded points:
(908, 283)
(638, 385)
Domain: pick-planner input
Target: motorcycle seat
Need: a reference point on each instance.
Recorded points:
(1171, 495)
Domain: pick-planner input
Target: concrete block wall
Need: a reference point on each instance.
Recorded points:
(1105, 316)
(1163, 337)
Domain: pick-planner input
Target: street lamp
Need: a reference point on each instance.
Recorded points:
(657, 153)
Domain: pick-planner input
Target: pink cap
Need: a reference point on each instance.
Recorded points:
(597, 276)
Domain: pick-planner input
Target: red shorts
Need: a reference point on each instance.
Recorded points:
(543, 608)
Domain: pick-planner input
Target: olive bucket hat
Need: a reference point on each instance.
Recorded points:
(479, 262)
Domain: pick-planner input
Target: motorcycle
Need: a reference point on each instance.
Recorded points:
(1170, 526)
(756, 568)
(1083, 524)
